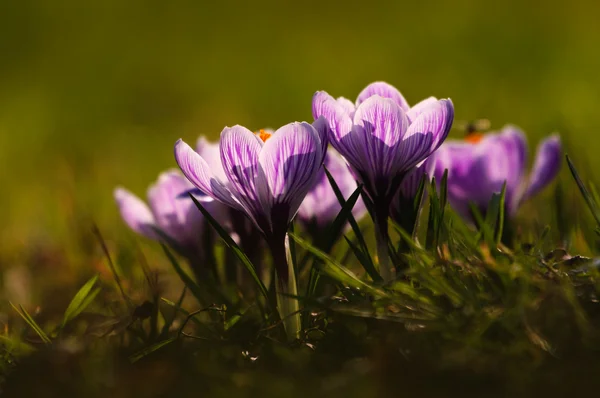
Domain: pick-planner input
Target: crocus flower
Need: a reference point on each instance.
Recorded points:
(267, 176)
(478, 168)
(178, 218)
(321, 206)
(382, 138)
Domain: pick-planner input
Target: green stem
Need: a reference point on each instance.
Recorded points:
(289, 308)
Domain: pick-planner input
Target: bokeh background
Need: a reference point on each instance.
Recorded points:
(94, 94)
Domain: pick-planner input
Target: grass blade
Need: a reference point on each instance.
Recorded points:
(149, 350)
(234, 247)
(368, 260)
(337, 270)
(589, 199)
(81, 300)
(32, 323)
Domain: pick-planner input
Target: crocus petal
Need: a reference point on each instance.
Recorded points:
(178, 218)
(346, 105)
(546, 166)
(335, 112)
(514, 147)
(418, 108)
(321, 126)
(199, 173)
(378, 132)
(289, 162)
(210, 152)
(239, 154)
(135, 213)
(385, 90)
(436, 119)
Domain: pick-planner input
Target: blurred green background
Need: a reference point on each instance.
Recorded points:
(94, 94)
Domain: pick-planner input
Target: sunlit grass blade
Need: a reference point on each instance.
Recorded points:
(235, 248)
(32, 323)
(81, 300)
(589, 199)
(337, 271)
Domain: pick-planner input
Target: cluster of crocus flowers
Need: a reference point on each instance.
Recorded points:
(255, 184)
(382, 138)
(480, 166)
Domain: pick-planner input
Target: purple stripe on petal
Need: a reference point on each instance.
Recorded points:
(135, 213)
(546, 166)
(385, 90)
(289, 162)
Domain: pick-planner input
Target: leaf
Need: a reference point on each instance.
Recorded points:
(340, 220)
(81, 300)
(337, 270)
(31, 322)
(148, 350)
(165, 329)
(589, 199)
(367, 262)
(235, 248)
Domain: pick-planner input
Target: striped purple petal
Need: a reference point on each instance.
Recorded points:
(199, 173)
(289, 162)
(384, 90)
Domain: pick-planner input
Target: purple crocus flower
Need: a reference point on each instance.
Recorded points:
(177, 218)
(320, 206)
(382, 138)
(267, 176)
(478, 168)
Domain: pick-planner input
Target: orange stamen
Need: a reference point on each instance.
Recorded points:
(474, 137)
(263, 135)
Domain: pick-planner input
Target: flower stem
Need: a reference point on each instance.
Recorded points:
(289, 308)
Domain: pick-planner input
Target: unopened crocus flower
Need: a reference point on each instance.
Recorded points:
(177, 218)
(268, 176)
(321, 206)
(478, 168)
(382, 138)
